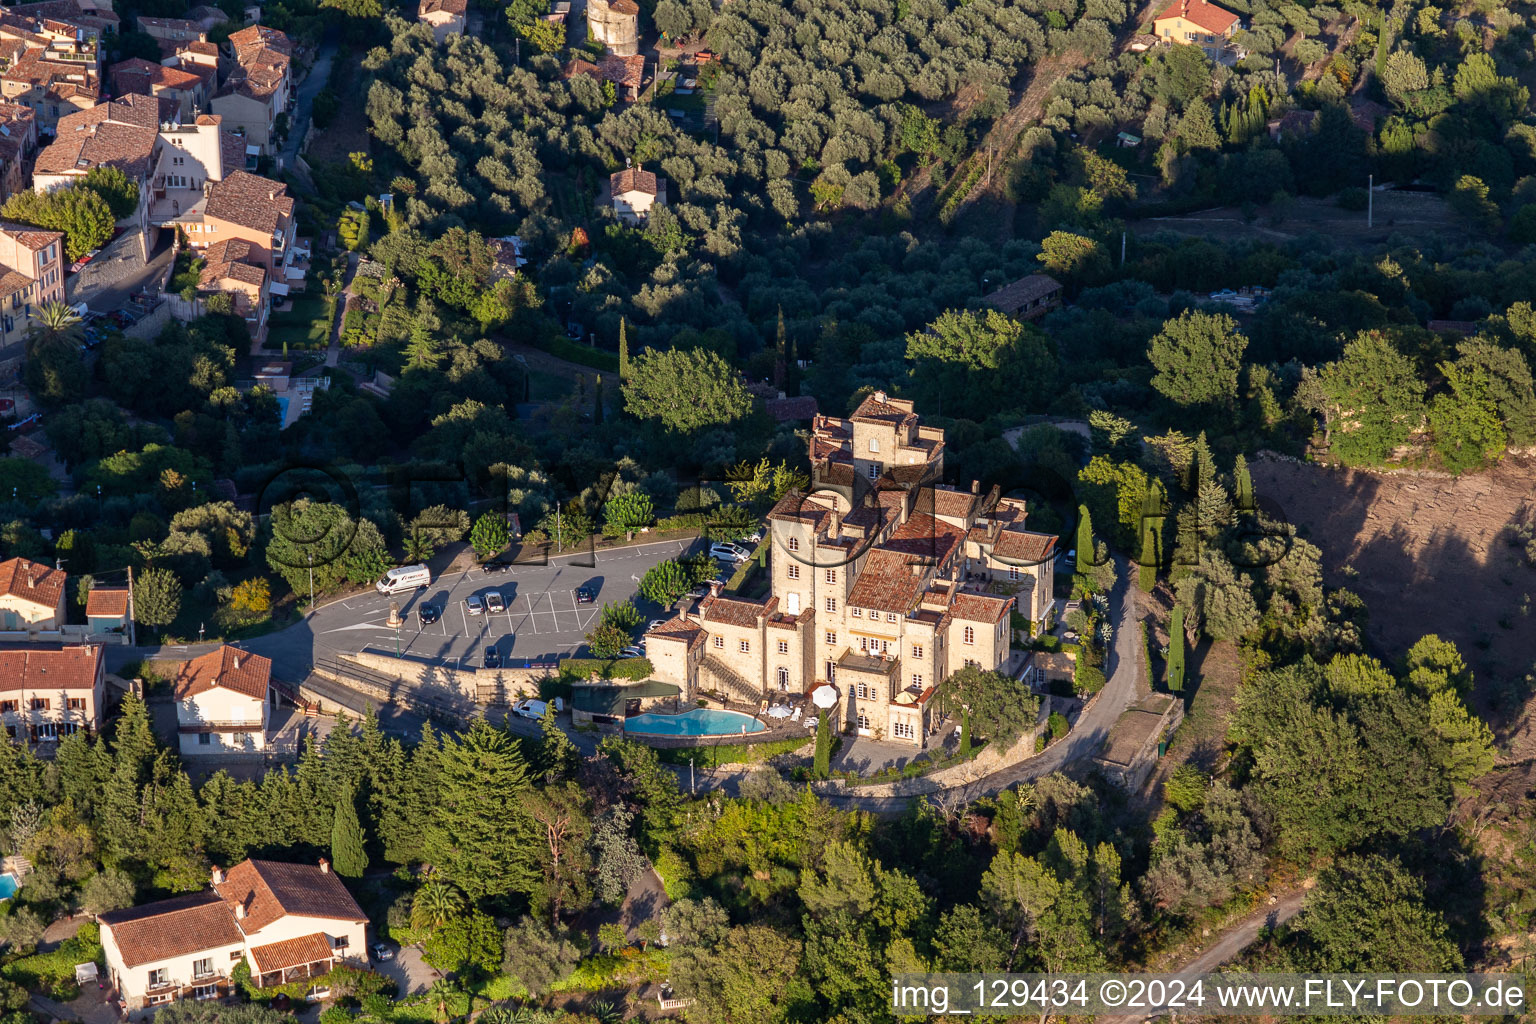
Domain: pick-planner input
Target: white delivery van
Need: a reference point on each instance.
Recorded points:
(407, 577)
(535, 708)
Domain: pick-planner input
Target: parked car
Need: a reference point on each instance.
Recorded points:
(492, 658)
(727, 552)
(493, 602)
(535, 708)
(381, 952)
(633, 651)
(474, 605)
(585, 595)
(429, 613)
(496, 565)
(654, 623)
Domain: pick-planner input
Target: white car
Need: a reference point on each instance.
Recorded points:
(654, 623)
(728, 552)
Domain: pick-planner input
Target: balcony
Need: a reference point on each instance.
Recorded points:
(196, 727)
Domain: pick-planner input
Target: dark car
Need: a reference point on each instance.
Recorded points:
(280, 1001)
(492, 658)
(429, 614)
(585, 595)
(381, 952)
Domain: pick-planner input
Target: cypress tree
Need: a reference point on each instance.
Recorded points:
(1244, 481)
(1084, 540)
(597, 405)
(1153, 509)
(965, 732)
(823, 762)
(347, 854)
(623, 352)
(1176, 650)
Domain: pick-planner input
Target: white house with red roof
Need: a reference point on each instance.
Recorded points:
(31, 595)
(287, 922)
(223, 702)
(1197, 23)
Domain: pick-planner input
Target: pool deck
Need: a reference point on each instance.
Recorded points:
(777, 729)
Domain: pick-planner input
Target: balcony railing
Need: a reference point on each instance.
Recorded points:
(219, 727)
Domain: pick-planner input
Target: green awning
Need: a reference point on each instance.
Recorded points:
(608, 699)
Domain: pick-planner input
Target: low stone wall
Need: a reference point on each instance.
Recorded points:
(473, 684)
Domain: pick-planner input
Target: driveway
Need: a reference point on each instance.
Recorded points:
(106, 282)
(304, 101)
(412, 974)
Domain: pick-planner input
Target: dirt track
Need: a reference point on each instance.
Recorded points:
(1429, 554)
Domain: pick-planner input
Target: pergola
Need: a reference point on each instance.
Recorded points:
(292, 960)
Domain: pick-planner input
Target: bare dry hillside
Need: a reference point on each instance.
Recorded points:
(1429, 554)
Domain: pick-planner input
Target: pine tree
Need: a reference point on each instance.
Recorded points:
(1176, 650)
(597, 401)
(823, 763)
(623, 352)
(348, 856)
(1244, 481)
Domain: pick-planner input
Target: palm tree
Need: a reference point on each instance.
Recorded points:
(435, 904)
(55, 325)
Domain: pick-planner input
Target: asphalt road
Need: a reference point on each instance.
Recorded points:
(542, 618)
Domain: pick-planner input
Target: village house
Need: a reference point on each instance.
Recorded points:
(287, 922)
(633, 192)
(49, 692)
(172, 33)
(191, 157)
(445, 16)
(1197, 23)
(18, 142)
(108, 610)
(121, 133)
(883, 583)
(223, 701)
(52, 86)
(258, 89)
(231, 269)
(31, 275)
(187, 89)
(31, 596)
(258, 211)
(1027, 298)
(97, 17)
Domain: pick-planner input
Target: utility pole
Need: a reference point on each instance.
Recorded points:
(691, 790)
(1370, 199)
(1122, 248)
(311, 609)
(132, 637)
(559, 533)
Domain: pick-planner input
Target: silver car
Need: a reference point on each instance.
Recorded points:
(474, 605)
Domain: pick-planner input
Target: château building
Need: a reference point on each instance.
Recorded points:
(884, 582)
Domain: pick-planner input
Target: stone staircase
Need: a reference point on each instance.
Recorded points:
(728, 681)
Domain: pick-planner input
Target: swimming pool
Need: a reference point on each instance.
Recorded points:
(282, 410)
(698, 722)
(8, 886)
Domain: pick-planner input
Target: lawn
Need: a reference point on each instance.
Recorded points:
(305, 324)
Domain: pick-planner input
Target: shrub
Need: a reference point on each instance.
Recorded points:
(1058, 725)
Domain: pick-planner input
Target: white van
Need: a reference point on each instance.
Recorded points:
(535, 708)
(407, 577)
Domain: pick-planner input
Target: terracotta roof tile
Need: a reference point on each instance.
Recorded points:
(631, 179)
(112, 601)
(679, 629)
(734, 611)
(270, 889)
(228, 668)
(454, 7)
(261, 34)
(798, 507)
(171, 928)
(629, 71)
(306, 949)
(889, 410)
(32, 667)
(980, 607)
(947, 501)
(32, 581)
(788, 410)
(1206, 15)
(34, 239)
(1023, 546)
(890, 582)
(250, 201)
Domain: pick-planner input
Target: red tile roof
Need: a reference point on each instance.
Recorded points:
(1197, 12)
(40, 584)
(250, 201)
(629, 71)
(112, 601)
(631, 179)
(261, 35)
(454, 7)
(879, 407)
(1013, 297)
(271, 889)
(171, 928)
(788, 410)
(228, 668)
(686, 630)
(1022, 546)
(735, 611)
(306, 949)
(980, 607)
(49, 668)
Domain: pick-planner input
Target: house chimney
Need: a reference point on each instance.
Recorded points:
(975, 486)
(218, 875)
(834, 524)
(237, 661)
(714, 588)
(880, 397)
(325, 866)
(239, 911)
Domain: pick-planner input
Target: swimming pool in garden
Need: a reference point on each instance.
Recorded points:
(8, 886)
(698, 722)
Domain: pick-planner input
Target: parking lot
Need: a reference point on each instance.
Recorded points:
(542, 618)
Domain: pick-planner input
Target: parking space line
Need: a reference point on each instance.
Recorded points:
(464, 617)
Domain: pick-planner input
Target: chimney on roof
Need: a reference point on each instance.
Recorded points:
(218, 875)
(714, 588)
(834, 524)
(239, 911)
(975, 486)
(237, 661)
(325, 866)
(880, 397)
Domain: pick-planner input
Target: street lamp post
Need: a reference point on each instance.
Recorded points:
(311, 583)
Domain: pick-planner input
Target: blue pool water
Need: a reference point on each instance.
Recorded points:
(7, 886)
(282, 409)
(699, 722)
